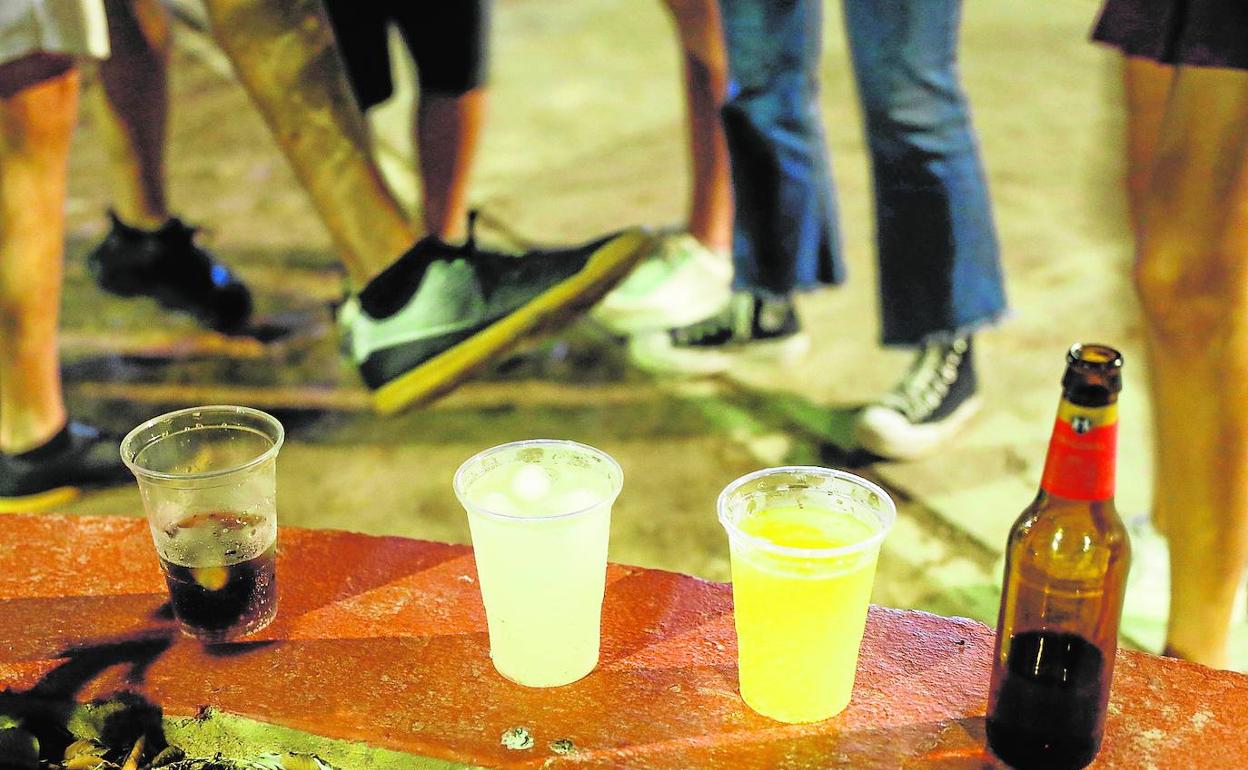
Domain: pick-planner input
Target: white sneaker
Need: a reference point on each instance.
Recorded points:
(1146, 610)
(680, 282)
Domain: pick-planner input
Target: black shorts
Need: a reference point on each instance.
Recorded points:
(1200, 33)
(447, 39)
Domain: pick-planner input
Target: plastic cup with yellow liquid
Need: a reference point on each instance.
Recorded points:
(804, 544)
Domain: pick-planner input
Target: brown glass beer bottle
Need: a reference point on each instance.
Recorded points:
(1065, 573)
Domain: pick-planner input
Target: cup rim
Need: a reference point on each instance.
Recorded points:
(890, 514)
(139, 471)
(458, 481)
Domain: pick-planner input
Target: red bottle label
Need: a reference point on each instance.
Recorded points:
(1082, 453)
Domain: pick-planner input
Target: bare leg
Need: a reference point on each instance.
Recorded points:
(1148, 88)
(448, 130)
(706, 79)
(284, 55)
(1192, 277)
(38, 109)
(133, 108)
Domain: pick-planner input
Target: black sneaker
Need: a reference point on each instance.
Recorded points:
(165, 264)
(747, 328)
(441, 311)
(53, 474)
(934, 401)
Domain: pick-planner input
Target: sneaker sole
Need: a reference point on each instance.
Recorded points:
(661, 358)
(40, 501)
(545, 313)
(919, 440)
(641, 320)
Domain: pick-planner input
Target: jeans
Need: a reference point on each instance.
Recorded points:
(940, 272)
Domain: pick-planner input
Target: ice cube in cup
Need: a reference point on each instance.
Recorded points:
(498, 502)
(531, 482)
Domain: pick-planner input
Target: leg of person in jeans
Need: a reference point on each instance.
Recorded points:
(148, 251)
(785, 235)
(429, 314)
(940, 274)
(689, 274)
(43, 457)
(1192, 279)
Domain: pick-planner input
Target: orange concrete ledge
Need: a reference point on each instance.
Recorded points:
(383, 640)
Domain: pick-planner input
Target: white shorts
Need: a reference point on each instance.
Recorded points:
(74, 27)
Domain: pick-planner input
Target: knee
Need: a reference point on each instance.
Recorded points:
(787, 98)
(1186, 299)
(916, 117)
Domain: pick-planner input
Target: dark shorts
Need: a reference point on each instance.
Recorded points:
(1200, 33)
(447, 39)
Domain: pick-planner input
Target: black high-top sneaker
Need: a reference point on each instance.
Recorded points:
(935, 400)
(166, 265)
(441, 311)
(53, 474)
(747, 328)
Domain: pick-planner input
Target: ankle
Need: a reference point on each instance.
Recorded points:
(147, 222)
(1201, 651)
(711, 242)
(32, 437)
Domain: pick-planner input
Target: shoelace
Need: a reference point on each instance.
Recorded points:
(928, 381)
(479, 260)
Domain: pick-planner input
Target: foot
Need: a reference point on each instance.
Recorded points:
(440, 312)
(746, 328)
(932, 403)
(165, 264)
(678, 283)
(53, 474)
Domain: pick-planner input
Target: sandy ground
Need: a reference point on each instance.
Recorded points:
(586, 135)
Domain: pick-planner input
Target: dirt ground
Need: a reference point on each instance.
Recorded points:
(586, 135)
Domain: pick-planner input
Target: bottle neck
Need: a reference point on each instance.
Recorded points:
(1083, 452)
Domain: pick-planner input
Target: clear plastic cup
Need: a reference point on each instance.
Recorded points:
(540, 516)
(804, 544)
(207, 476)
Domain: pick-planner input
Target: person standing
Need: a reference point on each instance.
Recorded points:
(688, 275)
(427, 313)
(1186, 78)
(940, 274)
(45, 458)
(149, 251)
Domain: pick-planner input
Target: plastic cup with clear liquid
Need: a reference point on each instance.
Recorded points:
(540, 516)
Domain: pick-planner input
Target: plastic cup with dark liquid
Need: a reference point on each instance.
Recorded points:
(208, 482)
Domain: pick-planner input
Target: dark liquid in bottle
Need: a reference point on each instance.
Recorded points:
(230, 590)
(1050, 704)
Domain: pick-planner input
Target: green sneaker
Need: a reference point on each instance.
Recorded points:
(442, 311)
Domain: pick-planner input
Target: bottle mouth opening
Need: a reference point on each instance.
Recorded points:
(1094, 357)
